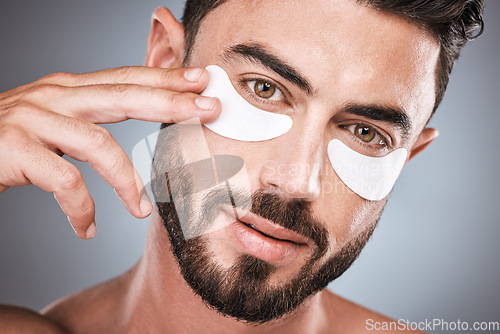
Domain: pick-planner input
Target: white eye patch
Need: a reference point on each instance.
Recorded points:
(369, 177)
(239, 119)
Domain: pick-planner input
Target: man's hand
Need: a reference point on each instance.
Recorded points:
(57, 115)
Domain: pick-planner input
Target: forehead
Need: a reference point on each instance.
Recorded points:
(347, 51)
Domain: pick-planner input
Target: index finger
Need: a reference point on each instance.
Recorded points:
(192, 79)
(113, 103)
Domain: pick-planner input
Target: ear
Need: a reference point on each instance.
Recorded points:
(425, 138)
(166, 40)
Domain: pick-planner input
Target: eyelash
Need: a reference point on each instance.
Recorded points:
(386, 142)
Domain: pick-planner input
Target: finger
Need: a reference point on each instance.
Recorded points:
(145, 206)
(177, 79)
(88, 142)
(117, 103)
(3, 188)
(52, 173)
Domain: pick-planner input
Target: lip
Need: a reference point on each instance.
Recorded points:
(269, 242)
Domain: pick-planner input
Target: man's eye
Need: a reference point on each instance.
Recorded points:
(265, 90)
(367, 134)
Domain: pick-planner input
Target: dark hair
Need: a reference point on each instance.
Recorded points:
(194, 12)
(452, 22)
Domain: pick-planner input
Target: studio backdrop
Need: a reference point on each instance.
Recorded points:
(433, 255)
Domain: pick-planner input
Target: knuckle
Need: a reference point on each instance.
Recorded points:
(99, 138)
(11, 136)
(81, 215)
(125, 73)
(173, 99)
(6, 111)
(70, 178)
(86, 210)
(15, 108)
(22, 109)
(165, 77)
(57, 77)
(23, 144)
(152, 93)
(119, 91)
(43, 89)
(117, 163)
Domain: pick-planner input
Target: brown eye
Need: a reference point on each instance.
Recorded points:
(264, 89)
(365, 133)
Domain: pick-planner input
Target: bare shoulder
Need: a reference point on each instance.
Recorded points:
(89, 311)
(15, 319)
(349, 317)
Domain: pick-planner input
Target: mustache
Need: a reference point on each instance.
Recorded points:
(292, 214)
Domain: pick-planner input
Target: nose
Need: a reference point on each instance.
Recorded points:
(293, 165)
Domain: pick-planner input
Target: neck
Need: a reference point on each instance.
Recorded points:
(159, 299)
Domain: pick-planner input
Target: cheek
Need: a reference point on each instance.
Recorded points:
(251, 153)
(344, 213)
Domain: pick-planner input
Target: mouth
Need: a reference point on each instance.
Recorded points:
(263, 239)
(266, 235)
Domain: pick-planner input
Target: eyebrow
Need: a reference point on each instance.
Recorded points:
(394, 116)
(257, 53)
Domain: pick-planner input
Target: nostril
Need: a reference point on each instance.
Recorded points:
(268, 184)
(299, 189)
(292, 187)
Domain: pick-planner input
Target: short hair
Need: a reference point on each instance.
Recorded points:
(452, 22)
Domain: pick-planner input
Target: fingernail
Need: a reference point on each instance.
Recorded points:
(91, 231)
(206, 103)
(146, 206)
(193, 74)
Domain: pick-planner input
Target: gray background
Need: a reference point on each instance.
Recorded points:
(434, 254)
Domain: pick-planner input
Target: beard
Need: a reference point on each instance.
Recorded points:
(244, 291)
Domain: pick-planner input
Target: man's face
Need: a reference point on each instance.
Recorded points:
(325, 56)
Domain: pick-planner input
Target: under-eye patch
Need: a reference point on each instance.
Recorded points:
(239, 119)
(370, 177)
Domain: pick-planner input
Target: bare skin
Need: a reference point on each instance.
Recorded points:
(129, 303)
(153, 297)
